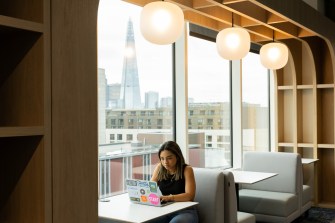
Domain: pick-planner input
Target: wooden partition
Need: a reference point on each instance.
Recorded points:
(311, 98)
(48, 111)
(25, 152)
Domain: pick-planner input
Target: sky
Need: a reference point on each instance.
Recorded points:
(154, 71)
(154, 61)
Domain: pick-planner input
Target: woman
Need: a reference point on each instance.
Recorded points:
(176, 181)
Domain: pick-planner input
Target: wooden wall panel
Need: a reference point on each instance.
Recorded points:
(74, 111)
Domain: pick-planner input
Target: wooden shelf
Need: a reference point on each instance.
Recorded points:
(24, 102)
(325, 86)
(21, 131)
(305, 112)
(323, 204)
(285, 87)
(285, 113)
(327, 146)
(15, 23)
(302, 87)
(285, 144)
(24, 9)
(325, 119)
(305, 108)
(306, 145)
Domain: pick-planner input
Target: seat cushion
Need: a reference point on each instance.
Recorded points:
(243, 217)
(268, 202)
(306, 194)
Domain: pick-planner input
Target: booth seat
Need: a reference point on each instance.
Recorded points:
(306, 198)
(210, 195)
(230, 202)
(277, 199)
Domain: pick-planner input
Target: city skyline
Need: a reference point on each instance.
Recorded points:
(155, 61)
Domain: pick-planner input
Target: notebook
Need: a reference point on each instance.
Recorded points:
(144, 192)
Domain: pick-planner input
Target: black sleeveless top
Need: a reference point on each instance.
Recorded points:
(171, 186)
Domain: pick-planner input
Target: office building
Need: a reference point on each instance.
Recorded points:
(166, 102)
(130, 95)
(151, 99)
(113, 95)
(102, 104)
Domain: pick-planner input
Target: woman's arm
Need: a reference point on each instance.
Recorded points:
(154, 176)
(190, 188)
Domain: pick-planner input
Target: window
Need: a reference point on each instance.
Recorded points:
(119, 137)
(211, 112)
(209, 93)
(130, 83)
(134, 125)
(129, 137)
(255, 106)
(131, 121)
(209, 138)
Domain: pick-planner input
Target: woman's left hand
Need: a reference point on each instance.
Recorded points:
(167, 198)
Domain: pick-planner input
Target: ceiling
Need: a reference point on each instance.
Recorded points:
(263, 23)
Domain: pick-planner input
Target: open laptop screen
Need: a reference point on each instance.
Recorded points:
(143, 192)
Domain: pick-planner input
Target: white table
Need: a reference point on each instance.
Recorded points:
(248, 177)
(308, 160)
(118, 208)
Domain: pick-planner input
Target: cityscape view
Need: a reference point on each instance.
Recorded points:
(134, 120)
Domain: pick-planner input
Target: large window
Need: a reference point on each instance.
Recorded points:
(135, 97)
(136, 104)
(255, 104)
(208, 105)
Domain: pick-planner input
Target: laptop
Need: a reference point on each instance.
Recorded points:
(144, 192)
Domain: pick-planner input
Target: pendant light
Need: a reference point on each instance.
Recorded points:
(274, 55)
(233, 43)
(161, 22)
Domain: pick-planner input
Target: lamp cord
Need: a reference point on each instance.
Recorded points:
(273, 35)
(232, 19)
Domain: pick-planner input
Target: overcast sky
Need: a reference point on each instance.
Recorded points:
(154, 61)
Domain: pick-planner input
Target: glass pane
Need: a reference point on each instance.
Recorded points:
(208, 105)
(135, 97)
(255, 106)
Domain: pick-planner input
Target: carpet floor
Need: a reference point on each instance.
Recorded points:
(318, 215)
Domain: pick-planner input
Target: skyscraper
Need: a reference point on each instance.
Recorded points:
(130, 96)
(113, 95)
(151, 99)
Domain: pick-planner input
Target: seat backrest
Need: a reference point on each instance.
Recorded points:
(230, 202)
(287, 165)
(210, 195)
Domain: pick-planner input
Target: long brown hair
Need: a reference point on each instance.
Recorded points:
(174, 148)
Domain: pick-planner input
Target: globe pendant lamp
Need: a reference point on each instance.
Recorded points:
(233, 43)
(161, 22)
(274, 55)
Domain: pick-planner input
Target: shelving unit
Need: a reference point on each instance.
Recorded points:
(305, 112)
(24, 100)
